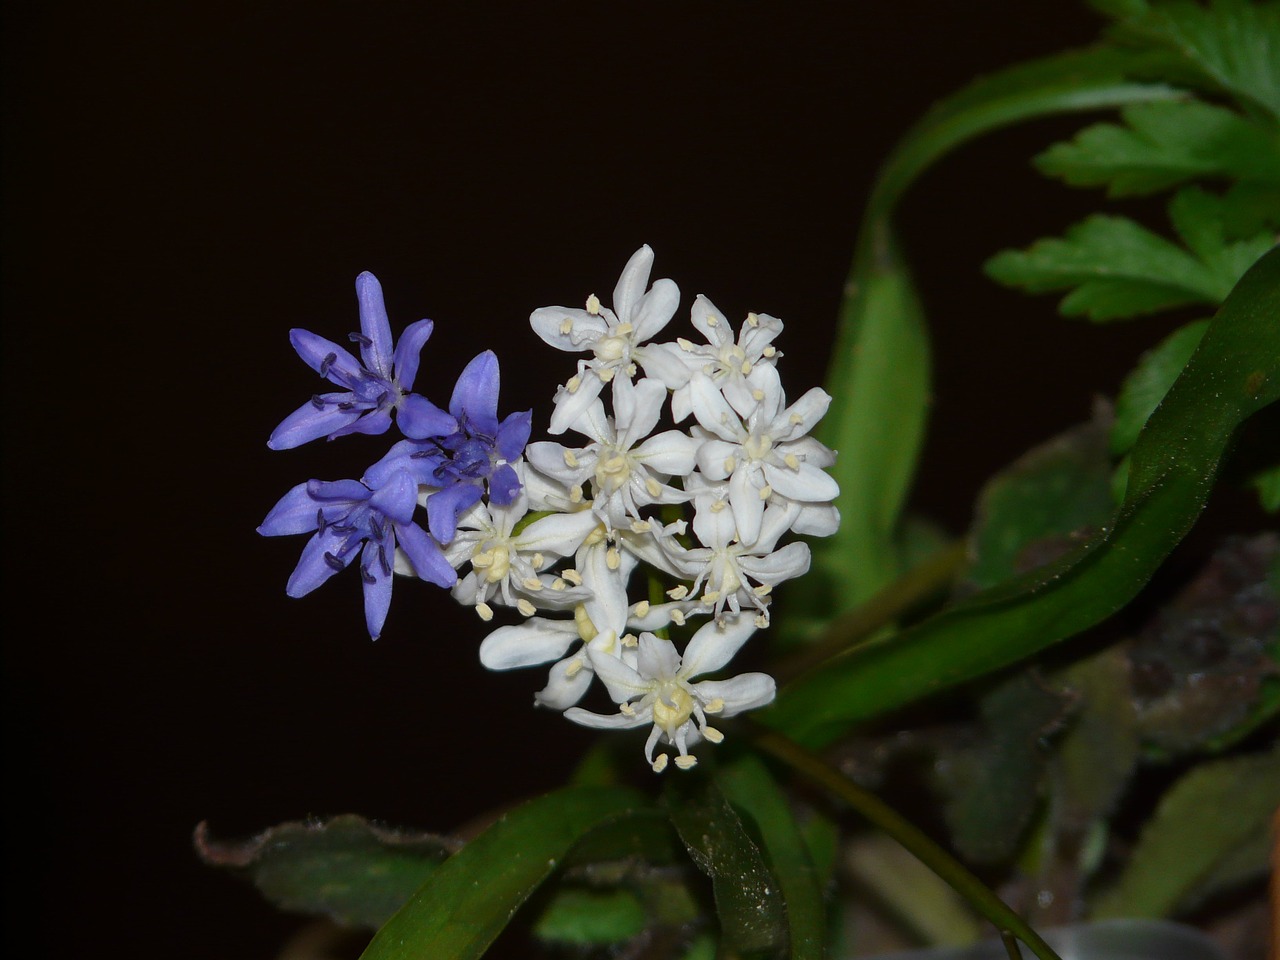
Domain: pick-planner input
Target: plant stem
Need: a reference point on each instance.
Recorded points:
(957, 875)
(890, 604)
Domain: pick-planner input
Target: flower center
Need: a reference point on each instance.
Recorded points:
(757, 446)
(612, 471)
(612, 349)
(493, 564)
(673, 707)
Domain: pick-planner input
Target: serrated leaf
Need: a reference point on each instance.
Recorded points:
(748, 786)
(1150, 380)
(1235, 373)
(1234, 44)
(467, 901)
(355, 872)
(1267, 483)
(585, 917)
(1033, 511)
(1117, 268)
(752, 916)
(1162, 145)
(1184, 856)
(1199, 219)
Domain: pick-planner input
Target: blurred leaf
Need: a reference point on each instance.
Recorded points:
(748, 786)
(1185, 855)
(467, 901)
(879, 372)
(753, 919)
(1233, 44)
(1097, 753)
(348, 869)
(1119, 269)
(1267, 483)
(644, 836)
(1050, 499)
(1162, 145)
(586, 917)
(1199, 668)
(1150, 380)
(1200, 218)
(1235, 373)
(1002, 771)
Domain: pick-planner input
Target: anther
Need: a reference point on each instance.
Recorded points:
(574, 383)
(792, 461)
(712, 734)
(769, 351)
(660, 763)
(525, 607)
(753, 320)
(714, 706)
(677, 617)
(641, 609)
(359, 338)
(321, 523)
(566, 326)
(532, 584)
(678, 593)
(593, 305)
(766, 492)
(686, 761)
(570, 460)
(333, 561)
(485, 611)
(317, 401)
(366, 576)
(573, 576)
(329, 360)
(538, 561)
(612, 558)
(347, 405)
(652, 486)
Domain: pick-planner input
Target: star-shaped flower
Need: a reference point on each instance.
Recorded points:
(346, 514)
(373, 387)
(659, 689)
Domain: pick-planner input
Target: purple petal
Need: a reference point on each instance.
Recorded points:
(476, 393)
(374, 422)
(310, 422)
(504, 485)
(349, 490)
(419, 418)
(374, 325)
(397, 498)
(315, 351)
(315, 567)
(426, 556)
(408, 349)
(294, 513)
(403, 456)
(445, 506)
(376, 573)
(513, 434)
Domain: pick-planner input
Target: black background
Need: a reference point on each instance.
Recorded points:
(183, 185)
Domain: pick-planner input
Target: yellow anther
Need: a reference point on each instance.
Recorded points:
(485, 611)
(677, 617)
(685, 345)
(795, 419)
(629, 640)
(641, 526)
(711, 321)
(712, 734)
(582, 620)
(711, 596)
(686, 761)
(678, 593)
(718, 505)
(746, 367)
(763, 590)
(575, 493)
(606, 374)
(652, 485)
(571, 459)
(730, 464)
(538, 560)
(573, 669)
(660, 763)
(641, 609)
(593, 305)
(525, 607)
(761, 620)
(792, 461)
(612, 558)
(757, 394)
(766, 492)
(566, 326)
(574, 383)
(623, 330)
(557, 584)
(769, 351)
(753, 320)
(573, 576)
(714, 706)
(626, 709)
(532, 584)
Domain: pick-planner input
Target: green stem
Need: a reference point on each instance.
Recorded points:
(957, 875)
(889, 605)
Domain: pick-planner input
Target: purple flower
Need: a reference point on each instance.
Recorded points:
(347, 515)
(372, 389)
(476, 451)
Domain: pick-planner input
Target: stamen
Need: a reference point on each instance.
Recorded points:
(730, 464)
(677, 617)
(711, 321)
(792, 461)
(574, 383)
(660, 763)
(641, 609)
(575, 493)
(795, 419)
(629, 640)
(382, 560)
(627, 709)
(359, 338)
(525, 607)
(769, 351)
(557, 584)
(379, 530)
(333, 561)
(766, 492)
(678, 593)
(573, 576)
(613, 559)
(712, 734)
(685, 345)
(764, 589)
(606, 374)
(347, 405)
(532, 584)
(566, 326)
(753, 320)
(317, 401)
(570, 460)
(761, 620)
(485, 611)
(746, 367)
(366, 576)
(641, 526)
(757, 394)
(538, 560)
(593, 305)
(652, 486)
(714, 706)
(718, 505)
(686, 761)
(321, 523)
(573, 669)
(329, 360)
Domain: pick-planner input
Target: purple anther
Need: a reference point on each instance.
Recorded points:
(329, 360)
(333, 561)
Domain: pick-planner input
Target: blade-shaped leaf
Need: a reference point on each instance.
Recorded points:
(469, 899)
(752, 917)
(748, 785)
(1267, 483)
(356, 872)
(1162, 145)
(584, 917)
(1234, 373)
(1183, 855)
(1150, 380)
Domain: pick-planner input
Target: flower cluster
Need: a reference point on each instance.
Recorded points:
(559, 532)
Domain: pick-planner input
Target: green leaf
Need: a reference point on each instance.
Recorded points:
(1035, 510)
(1162, 145)
(355, 872)
(1183, 855)
(467, 901)
(1200, 219)
(1150, 380)
(1235, 373)
(753, 919)
(1233, 44)
(748, 786)
(586, 917)
(1267, 483)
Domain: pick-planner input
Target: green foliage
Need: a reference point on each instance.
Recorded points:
(1235, 372)
(1192, 847)
(1150, 380)
(1267, 483)
(1164, 144)
(586, 917)
(467, 901)
(348, 869)
(753, 918)
(1116, 268)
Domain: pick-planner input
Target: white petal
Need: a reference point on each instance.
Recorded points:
(548, 457)
(747, 691)
(631, 285)
(710, 322)
(655, 310)
(527, 644)
(716, 457)
(571, 406)
(622, 682)
(779, 517)
(612, 721)
(817, 520)
(657, 658)
(748, 508)
(563, 690)
(671, 452)
(636, 409)
(713, 645)
(714, 528)
(560, 534)
(712, 410)
(805, 482)
(666, 363)
(584, 328)
(608, 606)
(786, 564)
(810, 408)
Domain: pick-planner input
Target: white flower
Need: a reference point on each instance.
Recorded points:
(627, 469)
(769, 453)
(744, 370)
(617, 338)
(506, 566)
(659, 690)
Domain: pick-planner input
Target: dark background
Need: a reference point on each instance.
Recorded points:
(183, 186)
